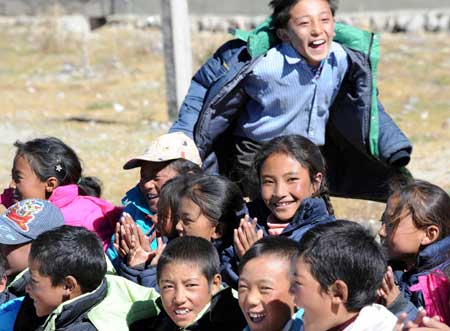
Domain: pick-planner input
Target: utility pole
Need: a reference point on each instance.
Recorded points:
(177, 52)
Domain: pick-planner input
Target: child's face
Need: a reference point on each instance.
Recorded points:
(16, 257)
(192, 222)
(264, 295)
(153, 176)
(285, 183)
(185, 291)
(46, 297)
(25, 183)
(309, 295)
(310, 30)
(403, 241)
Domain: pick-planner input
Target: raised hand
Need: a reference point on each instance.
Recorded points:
(246, 235)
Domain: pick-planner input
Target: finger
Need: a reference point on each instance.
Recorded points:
(434, 324)
(243, 236)
(237, 243)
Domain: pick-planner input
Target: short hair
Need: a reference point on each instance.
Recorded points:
(345, 251)
(193, 250)
(428, 204)
(279, 246)
(281, 11)
(70, 251)
(2, 266)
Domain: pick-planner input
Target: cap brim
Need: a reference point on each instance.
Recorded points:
(136, 162)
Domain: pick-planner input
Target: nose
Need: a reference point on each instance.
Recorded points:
(12, 184)
(252, 297)
(179, 297)
(316, 27)
(179, 226)
(280, 190)
(382, 232)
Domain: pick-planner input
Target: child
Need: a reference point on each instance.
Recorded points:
(209, 207)
(338, 269)
(289, 77)
(416, 233)
(191, 299)
(264, 285)
(291, 172)
(68, 289)
(48, 169)
(4, 296)
(20, 225)
(166, 157)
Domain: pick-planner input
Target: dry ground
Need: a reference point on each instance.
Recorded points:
(105, 97)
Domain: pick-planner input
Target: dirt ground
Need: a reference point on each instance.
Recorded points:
(104, 96)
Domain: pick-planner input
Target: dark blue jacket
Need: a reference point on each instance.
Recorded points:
(364, 147)
(311, 212)
(432, 258)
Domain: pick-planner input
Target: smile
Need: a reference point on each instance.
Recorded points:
(317, 43)
(256, 317)
(182, 312)
(152, 196)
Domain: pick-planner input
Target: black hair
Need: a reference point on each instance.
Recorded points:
(281, 11)
(282, 247)
(183, 166)
(306, 153)
(193, 250)
(219, 199)
(428, 204)
(168, 203)
(50, 157)
(345, 251)
(70, 251)
(2, 266)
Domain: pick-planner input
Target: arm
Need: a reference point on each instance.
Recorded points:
(394, 147)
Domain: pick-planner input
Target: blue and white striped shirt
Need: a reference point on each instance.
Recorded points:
(288, 96)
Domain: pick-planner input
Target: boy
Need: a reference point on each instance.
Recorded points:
(166, 157)
(339, 268)
(188, 274)
(289, 77)
(68, 289)
(264, 285)
(20, 224)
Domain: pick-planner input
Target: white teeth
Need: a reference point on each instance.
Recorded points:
(318, 42)
(282, 204)
(152, 196)
(256, 317)
(182, 311)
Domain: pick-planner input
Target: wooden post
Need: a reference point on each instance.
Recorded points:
(177, 52)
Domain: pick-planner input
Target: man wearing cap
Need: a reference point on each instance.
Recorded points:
(162, 160)
(20, 224)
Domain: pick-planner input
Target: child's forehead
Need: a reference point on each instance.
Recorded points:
(182, 270)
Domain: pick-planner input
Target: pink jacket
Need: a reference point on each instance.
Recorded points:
(92, 213)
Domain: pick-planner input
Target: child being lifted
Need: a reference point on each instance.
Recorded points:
(289, 77)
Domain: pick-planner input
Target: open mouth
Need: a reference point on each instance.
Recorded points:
(152, 196)
(282, 204)
(182, 312)
(256, 317)
(317, 43)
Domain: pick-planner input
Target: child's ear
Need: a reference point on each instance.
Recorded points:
(339, 292)
(215, 284)
(219, 231)
(50, 184)
(432, 234)
(71, 287)
(282, 35)
(317, 181)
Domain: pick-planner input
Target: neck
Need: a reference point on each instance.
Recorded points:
(337, 322)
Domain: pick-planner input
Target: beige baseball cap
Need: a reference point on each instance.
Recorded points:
(169, 146)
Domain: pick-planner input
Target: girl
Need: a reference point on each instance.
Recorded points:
(292, 178)
(48, 169)
(208, 207)
(264, 285)
(415, 231)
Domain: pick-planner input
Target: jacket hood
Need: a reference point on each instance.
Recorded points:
(434, 255)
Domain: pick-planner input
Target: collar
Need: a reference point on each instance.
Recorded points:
(64, 195)
(434, 254)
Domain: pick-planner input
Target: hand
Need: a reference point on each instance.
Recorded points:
(389, 291)
(421, 323)
(431, 324)
(246, 235)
